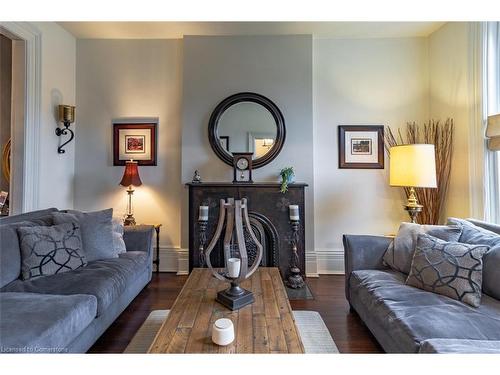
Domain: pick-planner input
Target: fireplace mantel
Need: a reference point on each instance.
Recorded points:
(265, 203)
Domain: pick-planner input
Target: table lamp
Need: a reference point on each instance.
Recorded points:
(130, 178)
(413, 166)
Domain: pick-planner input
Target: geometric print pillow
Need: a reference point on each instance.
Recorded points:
(50, 250)
(449, 268)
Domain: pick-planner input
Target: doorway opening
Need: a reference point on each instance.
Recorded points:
(15, 110)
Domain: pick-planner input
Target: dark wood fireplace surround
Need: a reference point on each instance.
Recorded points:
(267, 206)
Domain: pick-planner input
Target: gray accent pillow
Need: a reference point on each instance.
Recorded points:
(118, 242)
(399, 254)
(50, 250)
(495, 228)
(472, 234)
(452, 269)
(97, 231)
(27, 216)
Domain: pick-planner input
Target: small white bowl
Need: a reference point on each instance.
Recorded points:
(223, 332)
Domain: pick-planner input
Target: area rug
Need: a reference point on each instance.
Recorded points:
(312, 329)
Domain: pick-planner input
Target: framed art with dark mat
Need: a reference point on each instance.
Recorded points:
(134, 141)
(361, 146)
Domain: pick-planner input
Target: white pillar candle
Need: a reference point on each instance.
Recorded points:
(203, 215)
(294, 212)
(233, 267)
(223, 332)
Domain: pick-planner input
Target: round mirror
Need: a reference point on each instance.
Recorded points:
(247, 122)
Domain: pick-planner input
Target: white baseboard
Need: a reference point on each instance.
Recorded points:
(330, 261)
(311, 264)
(321, 261)
(174, 259)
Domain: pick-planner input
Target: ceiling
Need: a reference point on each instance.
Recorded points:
(176, 30)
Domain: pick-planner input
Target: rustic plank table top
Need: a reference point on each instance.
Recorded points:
(265, 326)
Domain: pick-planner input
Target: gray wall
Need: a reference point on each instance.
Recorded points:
(278, 67)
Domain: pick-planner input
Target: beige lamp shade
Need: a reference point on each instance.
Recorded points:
(413, 166)
(493, 132)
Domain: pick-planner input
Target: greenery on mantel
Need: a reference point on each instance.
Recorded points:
(287, 175)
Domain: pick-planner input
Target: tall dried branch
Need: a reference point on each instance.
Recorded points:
(441, 136)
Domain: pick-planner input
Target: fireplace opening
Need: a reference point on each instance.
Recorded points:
(266, 234)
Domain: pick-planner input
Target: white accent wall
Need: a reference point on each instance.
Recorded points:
(130, 79)
(57, 171)
(361, 82)
(450, 95)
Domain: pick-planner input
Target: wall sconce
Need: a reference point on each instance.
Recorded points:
(67, 117)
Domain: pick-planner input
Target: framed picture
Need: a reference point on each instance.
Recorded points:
(361, 146)
(224, 142)
(136, 141)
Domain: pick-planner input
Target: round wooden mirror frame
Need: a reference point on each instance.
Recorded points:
(213, 124)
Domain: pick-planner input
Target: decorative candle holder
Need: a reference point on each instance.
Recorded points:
(294, 280)
(202, 225)
(232, 213)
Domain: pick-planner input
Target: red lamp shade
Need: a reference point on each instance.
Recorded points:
(131, 174)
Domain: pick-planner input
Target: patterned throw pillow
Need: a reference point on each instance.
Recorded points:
(449, 268)
(475, 235)
(50, 250)
(400, 252)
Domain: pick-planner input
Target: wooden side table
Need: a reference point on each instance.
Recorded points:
(156, 261)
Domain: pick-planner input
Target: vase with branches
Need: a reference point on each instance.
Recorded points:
(441, 136)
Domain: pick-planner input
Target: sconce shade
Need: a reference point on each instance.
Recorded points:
(131, 174)
(67, 113)
(413, 166)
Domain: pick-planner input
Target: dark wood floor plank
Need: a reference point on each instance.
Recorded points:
(348, 331)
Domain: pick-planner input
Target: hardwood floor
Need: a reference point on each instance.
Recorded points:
(349, 333)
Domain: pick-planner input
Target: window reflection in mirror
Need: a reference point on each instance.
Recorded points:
(247, 127)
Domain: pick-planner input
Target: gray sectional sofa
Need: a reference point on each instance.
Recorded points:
(67, 312)
(405, 319)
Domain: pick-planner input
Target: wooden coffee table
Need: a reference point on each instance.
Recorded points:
(265, 326)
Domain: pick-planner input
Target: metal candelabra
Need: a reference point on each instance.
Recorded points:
(295, 279)
(202, 224)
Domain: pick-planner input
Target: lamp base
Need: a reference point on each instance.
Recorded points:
(413, 212)
(412, 206)
(129, 220)
(235, 297)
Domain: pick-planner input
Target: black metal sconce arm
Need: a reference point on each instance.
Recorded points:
(64, 131)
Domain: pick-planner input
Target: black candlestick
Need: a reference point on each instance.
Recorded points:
(295, 279)
(203, 240)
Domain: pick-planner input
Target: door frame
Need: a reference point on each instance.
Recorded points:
(32, 38)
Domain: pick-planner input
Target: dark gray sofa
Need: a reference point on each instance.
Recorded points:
(405, 319)
(67, 312)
